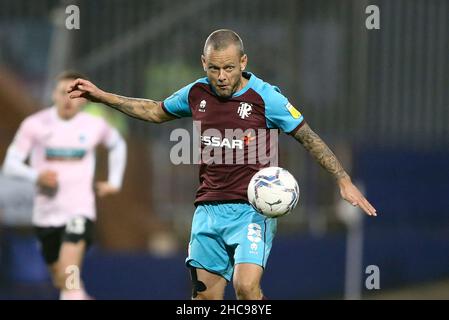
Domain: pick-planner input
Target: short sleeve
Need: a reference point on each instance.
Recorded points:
(178, 103)
(279, 112)
(24, 139)
(109, 135)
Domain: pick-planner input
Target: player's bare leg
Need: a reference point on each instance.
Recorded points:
(214, 286)
(247, 278)
(70, 256)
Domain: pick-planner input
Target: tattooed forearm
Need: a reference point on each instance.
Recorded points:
(320, 151)
(137, 108)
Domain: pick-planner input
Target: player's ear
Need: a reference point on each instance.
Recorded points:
(243, 62)
(203, 61)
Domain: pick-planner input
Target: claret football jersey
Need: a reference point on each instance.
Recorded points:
(237, 135)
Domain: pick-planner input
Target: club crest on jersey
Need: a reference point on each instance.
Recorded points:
(244, 110)
(202, 107)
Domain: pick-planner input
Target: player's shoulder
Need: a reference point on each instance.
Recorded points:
(262, 86)
(41, 117)
(201, 82)
(268, 92)
(186, 91)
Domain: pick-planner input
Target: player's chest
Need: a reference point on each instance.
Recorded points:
(211, 113)
(68, 136)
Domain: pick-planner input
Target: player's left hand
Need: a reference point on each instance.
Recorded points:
(352, 194)
(105, 189)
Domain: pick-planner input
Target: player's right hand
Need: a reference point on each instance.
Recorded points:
(81, 88)
(105, 189)
(48, 179)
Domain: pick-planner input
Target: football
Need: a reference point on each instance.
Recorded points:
(273, 192)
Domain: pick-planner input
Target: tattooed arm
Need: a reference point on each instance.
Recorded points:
(143, 109)
(320, 151)
(327, 159)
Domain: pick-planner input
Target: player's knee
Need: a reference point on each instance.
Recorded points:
(209, 295)
(205, 295)
(199, 289)
(247, 290)
(201, 294)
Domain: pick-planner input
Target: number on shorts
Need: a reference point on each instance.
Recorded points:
(76, 225)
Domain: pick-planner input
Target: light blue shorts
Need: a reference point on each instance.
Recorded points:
(225, 234)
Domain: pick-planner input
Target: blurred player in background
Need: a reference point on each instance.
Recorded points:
(229, 98)
(60, 143)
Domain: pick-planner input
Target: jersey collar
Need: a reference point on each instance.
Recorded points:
(248, 75)
(251, 77)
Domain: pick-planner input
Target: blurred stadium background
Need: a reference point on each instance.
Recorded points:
(379, 98)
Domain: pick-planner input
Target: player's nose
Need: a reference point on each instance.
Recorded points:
(222, 76)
